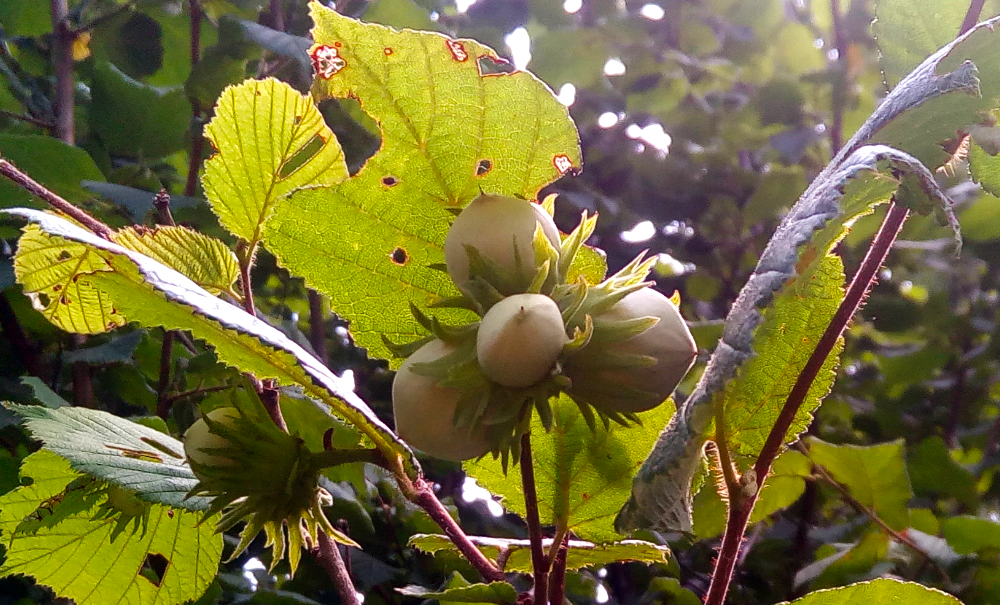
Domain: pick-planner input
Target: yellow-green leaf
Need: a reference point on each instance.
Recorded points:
(50, 270)
(54, 532)
(205, 260)
(269, 140)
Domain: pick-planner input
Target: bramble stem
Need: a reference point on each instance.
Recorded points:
(741, 505)
(539, 561)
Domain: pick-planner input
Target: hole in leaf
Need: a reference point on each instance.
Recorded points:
(154, 567)
(562, 163)
(359, 133)
(64, 255)
(65, 300)
(43, 299)
(387, 51)
(327, 61)
(399, 256)
(57, 287)
(457, 50)
(170, 513)
(297, 120)
(483, 168)
(490, 66)
(390, 181)
(303, 155)
(166, 450)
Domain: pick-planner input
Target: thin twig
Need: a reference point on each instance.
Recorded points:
(27, 183)
(161, 201)
(971, 16)
(163, 402)
(423, 496)
(197, 137)
(64, 129)
(742, 505)
(539, 561)
(328, 554)
(26, 118)
(98, 20)
(839, 93)
(865, 510)
(557, 540)
(200, 391)
(277, 15)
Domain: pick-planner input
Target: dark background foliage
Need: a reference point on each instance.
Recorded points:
(723, 113)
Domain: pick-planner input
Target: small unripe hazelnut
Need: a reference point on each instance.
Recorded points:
(520, 339)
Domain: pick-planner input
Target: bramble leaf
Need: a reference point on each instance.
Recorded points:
(155, 295)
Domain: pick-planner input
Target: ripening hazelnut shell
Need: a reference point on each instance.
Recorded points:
(199, 437)
(669, 342)
(424, 411)
(492, 224)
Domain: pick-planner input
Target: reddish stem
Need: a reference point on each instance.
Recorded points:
(539, 561)
(741, 506)
(424, 498)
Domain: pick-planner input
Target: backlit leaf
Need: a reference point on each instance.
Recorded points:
(155, 295)
(579, 554)
(206, 261)
(878, 591)
(269, 140)
(50, 270)
(51, 533)
(875, 475)
(582, 476)
(447, 112)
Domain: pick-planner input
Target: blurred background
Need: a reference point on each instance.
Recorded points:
(701, 122)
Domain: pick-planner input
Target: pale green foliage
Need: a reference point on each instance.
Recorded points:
(883, 592)
(583, 475)
(205, 260)
(51, 533)
(579, 554)
(49, 270)
(875, 476)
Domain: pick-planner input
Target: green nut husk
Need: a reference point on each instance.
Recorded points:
(606, 359)
(257, 473)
